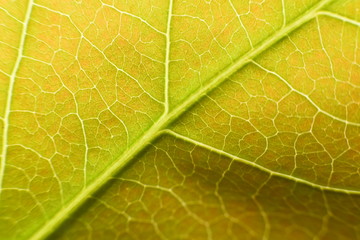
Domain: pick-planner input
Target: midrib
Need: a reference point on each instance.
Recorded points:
(166, 119)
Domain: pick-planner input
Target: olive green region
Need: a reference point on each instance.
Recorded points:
(177, 190)
(172, 119)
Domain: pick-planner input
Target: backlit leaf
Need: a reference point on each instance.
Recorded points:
(180, 119)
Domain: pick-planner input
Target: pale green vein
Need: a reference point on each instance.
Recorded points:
(167, 57)
(248, 162)
(283, 13)
(181, 201)
(11, 89)
(165, 120)
(306, 96)
(10, 15)
(241, 24)
(101, 52)
(64, 213)
(339, 17)
(246, 58)
(134, 16)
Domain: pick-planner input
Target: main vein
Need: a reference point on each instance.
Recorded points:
(11, 89)
(172, 115)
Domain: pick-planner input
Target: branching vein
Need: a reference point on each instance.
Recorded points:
(11, 89)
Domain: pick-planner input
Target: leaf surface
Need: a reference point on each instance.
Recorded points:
(180, 119)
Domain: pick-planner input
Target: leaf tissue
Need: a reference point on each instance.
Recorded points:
(180, 119)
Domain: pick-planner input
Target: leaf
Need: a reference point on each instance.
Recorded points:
(180, 119)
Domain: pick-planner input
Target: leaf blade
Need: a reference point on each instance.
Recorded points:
(150, 126)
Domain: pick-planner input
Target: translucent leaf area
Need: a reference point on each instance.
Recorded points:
(180, 119)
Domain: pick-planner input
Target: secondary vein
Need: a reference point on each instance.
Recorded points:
(172, 115)
(253, 164)
(11, 90)
(167, 57)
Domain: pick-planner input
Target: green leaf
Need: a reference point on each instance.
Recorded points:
(177, 119)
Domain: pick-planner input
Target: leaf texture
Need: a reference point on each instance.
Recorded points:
(180, 119)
